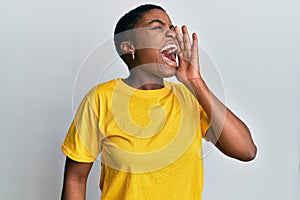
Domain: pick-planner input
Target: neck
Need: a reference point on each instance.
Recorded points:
(140, 79)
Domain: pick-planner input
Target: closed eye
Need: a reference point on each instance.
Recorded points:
(157, 28)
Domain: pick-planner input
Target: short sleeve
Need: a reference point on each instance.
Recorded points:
(204, 121)
(83, 140)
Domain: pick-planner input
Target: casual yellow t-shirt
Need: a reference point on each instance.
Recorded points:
(150, 141)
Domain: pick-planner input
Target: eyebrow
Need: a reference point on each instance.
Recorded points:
(156, 20)
(161, 22)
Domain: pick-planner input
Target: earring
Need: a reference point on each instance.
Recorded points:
(132, 54)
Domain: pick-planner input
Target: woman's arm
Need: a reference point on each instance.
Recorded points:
(228, 132)
(75, 178)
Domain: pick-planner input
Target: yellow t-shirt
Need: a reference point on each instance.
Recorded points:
(150, 141)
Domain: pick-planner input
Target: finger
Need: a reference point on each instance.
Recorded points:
(179, 39)
(194, 48)
(181, 60)
(186, 38)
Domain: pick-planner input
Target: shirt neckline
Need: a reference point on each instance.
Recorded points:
(135, 91)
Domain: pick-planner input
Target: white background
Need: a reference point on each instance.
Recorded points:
(255, 45)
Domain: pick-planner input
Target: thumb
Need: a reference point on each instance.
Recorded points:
(181, 59)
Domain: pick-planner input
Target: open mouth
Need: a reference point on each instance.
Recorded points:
(168, 53)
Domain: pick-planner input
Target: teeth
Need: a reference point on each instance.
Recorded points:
(170, 47)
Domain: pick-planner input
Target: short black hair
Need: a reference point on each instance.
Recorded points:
(128, 21)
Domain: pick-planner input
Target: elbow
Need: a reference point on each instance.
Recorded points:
(249, 154)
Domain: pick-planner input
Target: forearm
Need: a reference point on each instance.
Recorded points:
(233, 136)
(73, 190)
(75, 179)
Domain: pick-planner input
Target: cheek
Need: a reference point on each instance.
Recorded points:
(149, 55)
(147, 40)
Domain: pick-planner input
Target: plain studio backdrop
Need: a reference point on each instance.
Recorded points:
(253, 44)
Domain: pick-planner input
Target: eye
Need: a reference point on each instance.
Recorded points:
(157, 28)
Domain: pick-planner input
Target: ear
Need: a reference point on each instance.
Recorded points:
(127, 47)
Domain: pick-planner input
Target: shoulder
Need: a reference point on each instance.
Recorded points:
(102, 88)
(177, 87)
(182, 92)
(95, 94)
(106, 86)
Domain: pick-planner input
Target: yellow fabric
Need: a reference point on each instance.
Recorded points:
(150, 141)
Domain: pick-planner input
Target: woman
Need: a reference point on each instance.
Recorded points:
(149, 131)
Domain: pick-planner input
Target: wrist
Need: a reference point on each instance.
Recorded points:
(195, 85)
(192, 81)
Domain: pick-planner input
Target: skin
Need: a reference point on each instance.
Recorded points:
(229, 134)
(148, 69)
(75, 178)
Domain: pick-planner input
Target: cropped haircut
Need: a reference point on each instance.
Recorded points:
(127, 22)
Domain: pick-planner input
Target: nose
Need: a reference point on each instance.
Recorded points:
(171, 33)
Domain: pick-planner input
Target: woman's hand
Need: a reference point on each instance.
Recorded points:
(188, 67)
(227, 131)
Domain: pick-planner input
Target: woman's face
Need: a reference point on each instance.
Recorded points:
(155, 43)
